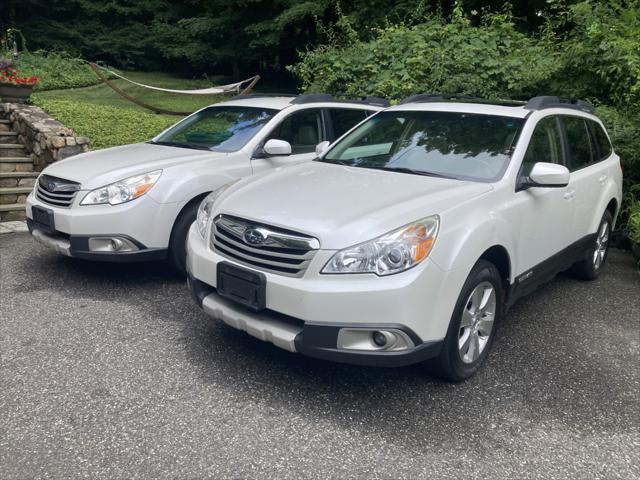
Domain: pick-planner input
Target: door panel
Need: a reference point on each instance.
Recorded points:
(588, 174)
(541, 215)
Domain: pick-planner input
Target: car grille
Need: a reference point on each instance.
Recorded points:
(56, 191)
(262, 246)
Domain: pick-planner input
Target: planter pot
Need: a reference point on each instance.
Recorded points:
(15, 93)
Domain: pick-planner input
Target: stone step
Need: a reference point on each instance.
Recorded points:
(19, 174)
(8, 138)
(12, 211)
(18, 179)
(11, 195)
(5, 121)
(15, 190)
(16, 160)
(11, 150)
(16, 164)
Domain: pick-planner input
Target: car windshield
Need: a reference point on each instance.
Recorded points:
(219, 129)
(457, 145)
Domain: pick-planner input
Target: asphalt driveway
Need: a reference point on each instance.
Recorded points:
(110, 371)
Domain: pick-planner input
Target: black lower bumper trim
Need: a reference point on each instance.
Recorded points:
(199, 290)
(320, 341)
(79, 248)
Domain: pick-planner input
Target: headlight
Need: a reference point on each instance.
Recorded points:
(390, 253)
(122, 191)
(206, 207)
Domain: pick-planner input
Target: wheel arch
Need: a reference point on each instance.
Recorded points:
(499, 257)
(197, 199)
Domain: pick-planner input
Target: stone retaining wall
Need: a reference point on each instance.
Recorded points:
(46, 139)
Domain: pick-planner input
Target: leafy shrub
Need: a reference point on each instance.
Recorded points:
(491, 60)
(623, 126)
(55, 70)
(106, 126)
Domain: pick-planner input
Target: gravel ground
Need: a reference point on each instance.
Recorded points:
(110, 371)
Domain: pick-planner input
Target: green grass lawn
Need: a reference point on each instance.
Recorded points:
(109, 120)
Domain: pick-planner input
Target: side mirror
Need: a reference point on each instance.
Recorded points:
(322, 147)
(550, 175)
(275, 147)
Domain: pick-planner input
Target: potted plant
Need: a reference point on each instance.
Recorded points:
(14, 88)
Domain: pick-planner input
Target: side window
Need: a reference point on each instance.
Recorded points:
(581, 151)
(344, 119)
(601, 140)
(303, 130)
(545, 145)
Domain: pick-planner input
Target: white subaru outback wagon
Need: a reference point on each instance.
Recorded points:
(136, 202)
(412, 235)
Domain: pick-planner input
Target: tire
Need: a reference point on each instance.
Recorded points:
(589, 268)
(471, 331)
(178, 241)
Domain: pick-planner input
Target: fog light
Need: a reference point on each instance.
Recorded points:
(116, 244)
(387, 340)
(111, 244)
(379, 338)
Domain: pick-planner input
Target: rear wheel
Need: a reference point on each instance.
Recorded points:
(472, 326)
(178, 241)
(589, 268)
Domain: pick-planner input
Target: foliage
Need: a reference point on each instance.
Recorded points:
(55, 70)
(632, 212)
(106, 126)
(492, 60)
(9, 75)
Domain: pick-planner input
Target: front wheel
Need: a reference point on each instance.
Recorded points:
(589, 268)
(472, 326)
(178, 241)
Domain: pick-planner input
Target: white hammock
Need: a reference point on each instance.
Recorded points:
(231, 87)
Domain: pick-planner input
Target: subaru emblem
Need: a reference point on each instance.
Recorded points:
(253, 236)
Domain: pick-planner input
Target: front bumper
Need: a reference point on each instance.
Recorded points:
(301, 310)
(143, 222)
(77, 246)
(310, 339)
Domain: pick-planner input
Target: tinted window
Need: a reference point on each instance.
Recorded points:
(225, 129)
(458, 145)
(344, 120)
(580, 148)
(303, 130)
(545, 145)
(601, 139)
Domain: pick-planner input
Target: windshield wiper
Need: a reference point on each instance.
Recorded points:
(336, 162)
(180, 145)
(413, 172)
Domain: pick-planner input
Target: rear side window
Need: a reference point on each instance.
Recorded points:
(303, 130)
(344, 119)
(581, 149)
(601, 140)
(545, 145)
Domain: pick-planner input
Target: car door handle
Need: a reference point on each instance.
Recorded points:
(602, 179)
(569, 195)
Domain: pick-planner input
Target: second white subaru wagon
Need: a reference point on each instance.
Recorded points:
(410, 237)
(136, 202)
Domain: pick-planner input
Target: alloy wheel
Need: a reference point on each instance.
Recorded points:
(602, 242)
(477, 321)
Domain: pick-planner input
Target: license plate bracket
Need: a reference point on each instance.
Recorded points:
(43, 219)
(242, 286)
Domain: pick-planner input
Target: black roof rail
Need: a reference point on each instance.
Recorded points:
(446, 97)
(548, 101)
(259, 95)
(325, 97)
(312, 98)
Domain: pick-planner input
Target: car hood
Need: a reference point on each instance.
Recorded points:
(343, 206)
(99, 168)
